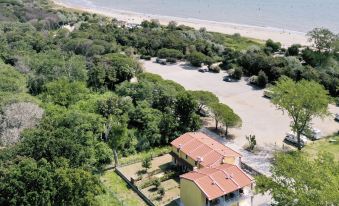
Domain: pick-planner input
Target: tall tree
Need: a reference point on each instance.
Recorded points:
(298, 180)
(204, 98)
(302, 101)
(225, 115)
(322, 38)
(25, 181)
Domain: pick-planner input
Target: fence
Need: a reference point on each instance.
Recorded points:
(250, 170)
(134, 188)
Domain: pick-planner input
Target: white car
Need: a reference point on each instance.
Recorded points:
(313, 133)
(292, 137)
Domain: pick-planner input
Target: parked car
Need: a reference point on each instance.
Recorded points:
(313, 133)
(291, 137)
(336, 117)
(161, 61)
(203, 70)
(228, 79)
(205, 112)
(268, 94)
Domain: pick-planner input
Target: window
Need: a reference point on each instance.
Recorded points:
(186, 156)
(178, 150)
(196, 163)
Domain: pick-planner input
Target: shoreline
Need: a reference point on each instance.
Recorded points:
(285, 37)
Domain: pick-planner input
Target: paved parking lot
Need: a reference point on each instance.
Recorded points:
(260, 117)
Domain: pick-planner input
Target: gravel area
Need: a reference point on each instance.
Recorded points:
(260, 117)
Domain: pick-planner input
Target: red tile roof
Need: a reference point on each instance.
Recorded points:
(199, 146)
(217, 181)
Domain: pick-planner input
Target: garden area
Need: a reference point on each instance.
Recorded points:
(117, 191)
(156, 178)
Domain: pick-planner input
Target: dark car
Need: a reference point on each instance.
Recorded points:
(161, 61)
(202, 70)
(228, 79)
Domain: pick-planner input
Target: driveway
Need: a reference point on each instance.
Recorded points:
(260, 117)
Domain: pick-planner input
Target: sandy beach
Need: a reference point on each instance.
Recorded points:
(286, 37)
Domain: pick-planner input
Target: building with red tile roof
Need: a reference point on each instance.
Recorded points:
(219, 181)
(214, 170)
(197, 147)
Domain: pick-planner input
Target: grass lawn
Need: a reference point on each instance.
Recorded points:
(118, 192)
(324, 145)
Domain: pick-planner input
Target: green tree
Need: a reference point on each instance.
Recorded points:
(25, 181)
(262, 79)
(302, 101)
(11, 80)
(225, 115)
(237, 73)
(298, 180)
(197, 58)
(112, 69)
(146, 163)
(64, 92)
(185, 111)
(70, 134)
(322, 39)
(293, 50)
(55, 65)
(170, 53)
(275, 46)
(204, 98)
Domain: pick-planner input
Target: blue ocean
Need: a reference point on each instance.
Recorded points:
(295, 15)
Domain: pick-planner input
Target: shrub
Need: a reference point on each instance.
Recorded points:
(274, 45)
(146, 163)
(253, 79)
(197, 58)
(161, 191)
(251, 142)
(145, 57)
(171, 60)
(262, 79)
(293, 50)
(214, 68)
(157, 183)
(237, 73)
(170, 53)
(336, 101)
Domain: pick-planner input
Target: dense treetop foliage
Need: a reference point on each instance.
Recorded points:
(299, 180)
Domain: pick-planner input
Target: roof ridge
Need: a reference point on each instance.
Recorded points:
(216, 142)
(216, 182)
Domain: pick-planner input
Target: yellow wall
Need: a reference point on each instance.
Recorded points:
(183, 156)
(229, 160)
(190, 194)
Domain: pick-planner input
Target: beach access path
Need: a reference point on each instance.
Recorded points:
(259, 116)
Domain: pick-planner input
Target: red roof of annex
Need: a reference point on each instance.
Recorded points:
(218, 181)
(203, 148)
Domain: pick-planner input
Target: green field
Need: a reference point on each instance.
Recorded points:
(324, 145)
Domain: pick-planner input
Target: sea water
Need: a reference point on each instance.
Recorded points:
(295, 15)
